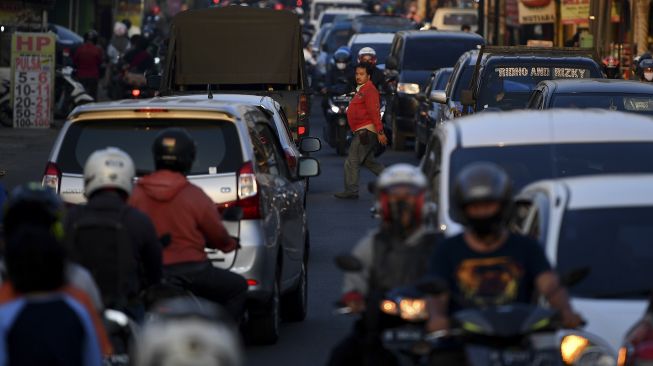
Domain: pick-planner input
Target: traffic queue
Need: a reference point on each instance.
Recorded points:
(165, 228)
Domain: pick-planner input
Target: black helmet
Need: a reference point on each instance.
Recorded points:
(33, 204)
(481, 182)
(91, 36)
(174, 149)
(342, 54)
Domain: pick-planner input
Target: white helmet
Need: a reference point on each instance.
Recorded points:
(108, 168)
(119, 29)
(401, 174)
(187, 342)
(367, 51)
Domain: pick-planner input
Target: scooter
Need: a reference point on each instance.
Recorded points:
(336, 130)
(70, 93)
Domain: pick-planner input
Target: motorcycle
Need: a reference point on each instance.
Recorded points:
(336, 130)
(121, 331)
(69, 93)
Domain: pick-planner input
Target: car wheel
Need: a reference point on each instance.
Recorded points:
(397, 137)
(265, 320)
(295, 303)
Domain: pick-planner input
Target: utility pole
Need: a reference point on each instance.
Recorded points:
(481, 18)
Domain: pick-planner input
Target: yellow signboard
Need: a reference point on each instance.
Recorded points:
(574, 11)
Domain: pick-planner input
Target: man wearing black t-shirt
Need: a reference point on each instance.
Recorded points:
(487, 265)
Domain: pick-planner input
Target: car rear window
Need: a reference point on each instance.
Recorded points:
(218, 145)
(460, 19)
(435, 53)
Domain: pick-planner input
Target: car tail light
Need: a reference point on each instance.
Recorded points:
(248, 198)
(136, 93)
(291, 159)
(251, 282)
(52, 177)
(301, 130)
(302, 110)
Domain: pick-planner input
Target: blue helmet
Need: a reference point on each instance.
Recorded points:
(342, 54)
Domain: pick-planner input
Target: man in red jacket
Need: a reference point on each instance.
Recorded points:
(187, 220)
(364, 117)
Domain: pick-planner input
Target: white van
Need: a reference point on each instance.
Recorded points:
(451, 19)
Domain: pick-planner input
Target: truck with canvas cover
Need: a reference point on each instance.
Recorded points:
(239, 50)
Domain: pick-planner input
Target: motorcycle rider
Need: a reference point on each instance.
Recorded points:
(108, 182)
(339, 77)
(645, 70)
(396, 254)
(487, 265)
(187, 221)
(611, 67)
(368, 55)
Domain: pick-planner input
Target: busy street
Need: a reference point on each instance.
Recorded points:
(326, 182)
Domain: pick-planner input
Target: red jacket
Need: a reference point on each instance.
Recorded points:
(364, 108)
(183, 211)
(88, 58)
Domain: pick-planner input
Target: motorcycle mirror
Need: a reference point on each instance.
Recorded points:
(232, 214)
(432, 286)
(348, 263)
(575, 276)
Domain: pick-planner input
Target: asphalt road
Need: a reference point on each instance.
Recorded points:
(335, 227)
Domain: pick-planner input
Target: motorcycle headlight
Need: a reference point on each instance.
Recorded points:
(413, 309)
(408, 88)
(335, 108)
(389, 307)
(580, 351)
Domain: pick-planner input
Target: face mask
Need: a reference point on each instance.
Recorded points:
(486, 226)
(341, 65)
(648, 75)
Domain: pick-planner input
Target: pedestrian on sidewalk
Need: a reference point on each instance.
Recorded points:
(88, 59)
(364, 117)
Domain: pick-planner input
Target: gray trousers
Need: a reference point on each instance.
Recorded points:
(361, 155)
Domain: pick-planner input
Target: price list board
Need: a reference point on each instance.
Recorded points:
(32, 79)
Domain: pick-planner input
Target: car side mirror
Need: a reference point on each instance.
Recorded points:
(308, 167)
(391, 63)
(232, 214)
(309, 144)
(348, 263)
(438, 96)
(153, 81)
(467, 97)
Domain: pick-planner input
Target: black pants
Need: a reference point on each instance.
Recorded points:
(218, 285)
(361, 348)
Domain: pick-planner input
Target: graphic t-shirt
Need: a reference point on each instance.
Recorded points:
(506, 275)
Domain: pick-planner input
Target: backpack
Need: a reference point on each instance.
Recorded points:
(101, 243)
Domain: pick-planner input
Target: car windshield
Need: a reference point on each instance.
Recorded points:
(623, 237)
(337, 38)
(382, 51)
(460, 19)
(327, 18)
(635, 103)
(528, 163)
(382, 24)
(434, 53)
(218, 146)
(509, 87)
(442, 80)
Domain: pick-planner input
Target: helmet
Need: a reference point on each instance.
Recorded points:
(401, 190)
(342, 57)
(91, 36)
(187, 331)
(481, 182)
(611, 67)
(108, 168)
(367, 51)
(174, 149)
(119, 29)
(646, 69)
(33, 204)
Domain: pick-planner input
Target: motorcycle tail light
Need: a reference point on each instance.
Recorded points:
(252, 282)
(52, 177)
(136, 93)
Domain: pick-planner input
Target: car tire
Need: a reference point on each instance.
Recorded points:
(341, 141)
(294, 305)
(265, 320)
(397, 136)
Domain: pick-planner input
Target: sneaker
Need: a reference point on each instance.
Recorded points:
(346, 196)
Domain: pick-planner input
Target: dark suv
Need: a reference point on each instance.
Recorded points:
(414, 56)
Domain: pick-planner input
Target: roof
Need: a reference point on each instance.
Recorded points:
(551, 126)
(372, 38)
(439, 34)
(597, 191)
(598, 86)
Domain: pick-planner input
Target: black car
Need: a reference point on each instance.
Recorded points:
(620, 95)
(429, 110)
(413, 57)
(381, 24)
(505, 76)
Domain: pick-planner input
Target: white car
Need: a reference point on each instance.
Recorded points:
(600, 225)
(380, 42)
(452, 19)
(319, 6)
(332, 15)
(533, 146)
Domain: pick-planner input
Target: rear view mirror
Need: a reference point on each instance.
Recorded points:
(153, 81)
(467, 97)
(391, 63)
(308, 167)
(348, 263)
(438, 96)
(310, 144)
(232, 214)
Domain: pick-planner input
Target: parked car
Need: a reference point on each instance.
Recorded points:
(240, 162)
(428, 111)
(381, 24)
(413, 57)
(452, 19)
(379, 41)
(612, 94)
(577, 218)
(536, 145)
(505, 76)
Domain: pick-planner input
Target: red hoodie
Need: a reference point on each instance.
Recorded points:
(183, 211)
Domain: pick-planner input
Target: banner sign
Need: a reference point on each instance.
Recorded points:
(537, 11)
(575, 11)
(32, 79)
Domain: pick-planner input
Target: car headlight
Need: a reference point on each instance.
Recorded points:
(578, 350)
(408, 88)
(408, 309)
(335, 108)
